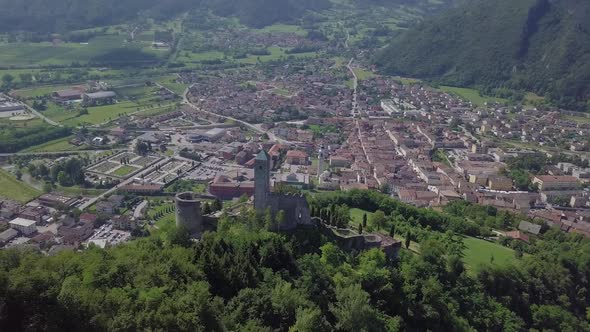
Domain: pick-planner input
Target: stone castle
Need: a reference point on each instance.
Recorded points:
(295, 207)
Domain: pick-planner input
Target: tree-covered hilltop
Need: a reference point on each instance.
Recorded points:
(66, 15)
(244, 278)
(535, 45)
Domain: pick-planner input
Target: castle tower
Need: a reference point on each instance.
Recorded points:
(261, 180)
(188, 213)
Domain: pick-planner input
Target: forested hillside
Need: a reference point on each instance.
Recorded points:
(244, 278)
(535, 45)
(65, 15)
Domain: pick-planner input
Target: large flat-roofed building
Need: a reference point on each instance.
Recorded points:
(556, 183)
(53, 200)
(25, 226)
(63, 96)
(211, 135)
(99, 98)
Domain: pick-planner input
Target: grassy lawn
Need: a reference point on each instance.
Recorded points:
(471, 95)
(479, 252)
(406, 80)
(188, 56)
(58, 113)
(356, 216)
(282, 92)
(157, 110)
(578, 119)
(40, 90)
(124, 170)
(363, 74)
(275, 54)
(101, 114)
(170, 83)
(530, 99)
(14, 189)
(60, 144)
(283, 28)
(77, 191)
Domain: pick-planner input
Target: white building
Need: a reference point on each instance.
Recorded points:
(25, 226)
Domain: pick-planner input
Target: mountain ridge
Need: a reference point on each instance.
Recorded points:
(534, 45)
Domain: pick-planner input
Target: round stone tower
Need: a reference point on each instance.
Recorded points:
(188, 212)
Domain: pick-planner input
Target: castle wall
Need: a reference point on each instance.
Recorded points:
(295, 207)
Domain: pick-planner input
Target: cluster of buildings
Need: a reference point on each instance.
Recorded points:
(94, 94)
(45, 223)
(258, 96)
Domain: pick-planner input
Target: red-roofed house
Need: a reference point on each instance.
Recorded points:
(297, 157)
(518, 235)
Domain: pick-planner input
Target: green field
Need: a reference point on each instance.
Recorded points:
(283, 28)
(77, 191)
(102, 114)
(40, 90)
(578, 119)
(188, 56)
(471, 95)
(363, 74)
(170, 83)
(61, 144)
(356, 216)
(124, 171)
(479, 252)
(101, 49)
(276, 53)
(14, 189)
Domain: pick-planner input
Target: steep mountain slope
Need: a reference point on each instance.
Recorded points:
(64, 15)
(537, 45)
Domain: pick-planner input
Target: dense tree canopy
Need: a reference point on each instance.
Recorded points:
(63, 16)
(245, 278)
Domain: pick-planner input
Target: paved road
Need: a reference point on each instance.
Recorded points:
(355, 111)
(256, 128)
(138, 213)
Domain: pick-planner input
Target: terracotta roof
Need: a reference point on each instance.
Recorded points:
(556, 178)
(296, 154)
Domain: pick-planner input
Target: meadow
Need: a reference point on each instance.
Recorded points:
(478, 252)
(101, 49)
(14, 189)
(471, 95)
(61, 144)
